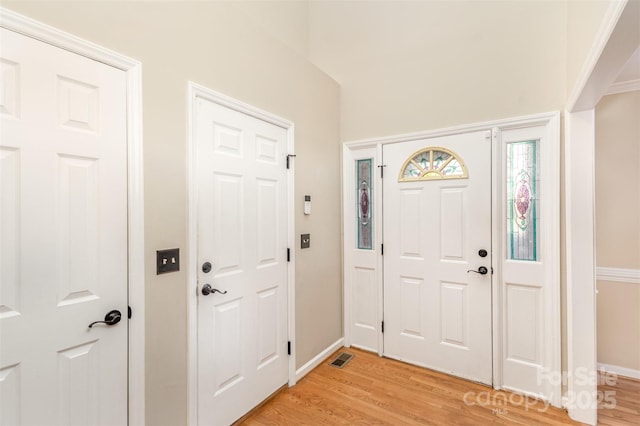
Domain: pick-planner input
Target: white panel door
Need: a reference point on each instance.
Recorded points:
(63, 233)
(242, 233)
(437, 311)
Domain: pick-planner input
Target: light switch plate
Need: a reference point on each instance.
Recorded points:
(167, 261)
(305, 241)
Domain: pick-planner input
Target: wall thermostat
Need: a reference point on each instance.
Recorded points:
(307, 204)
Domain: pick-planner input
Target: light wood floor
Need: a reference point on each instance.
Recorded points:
(626, 394)
(371, 390)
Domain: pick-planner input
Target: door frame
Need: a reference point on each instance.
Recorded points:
(350, 152)
(616, 40)
(135, 196)
(195, 91)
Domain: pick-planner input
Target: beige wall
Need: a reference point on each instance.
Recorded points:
(456, 62)
(228, 49)
(618, 227)
(584, 19)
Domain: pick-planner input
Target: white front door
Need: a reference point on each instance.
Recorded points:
(63, 233)
(437, 310)
(242, 233)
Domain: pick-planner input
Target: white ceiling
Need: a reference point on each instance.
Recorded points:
(346, 39)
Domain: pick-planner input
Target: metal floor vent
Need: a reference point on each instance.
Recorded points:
(341, 360)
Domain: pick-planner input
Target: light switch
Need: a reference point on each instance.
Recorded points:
(167, 261)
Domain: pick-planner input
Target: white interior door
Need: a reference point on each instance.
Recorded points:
(63, 233)
(242, 233)
(437, 311)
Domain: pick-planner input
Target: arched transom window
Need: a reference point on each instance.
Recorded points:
(433, 163)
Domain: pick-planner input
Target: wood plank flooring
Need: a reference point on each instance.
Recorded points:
(625, 393)
(371, 390)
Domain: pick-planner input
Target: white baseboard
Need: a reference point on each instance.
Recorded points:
(318, 359)
(620, 371)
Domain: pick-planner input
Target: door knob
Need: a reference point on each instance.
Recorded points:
(207, 290)
(112, 318)
(481, 270)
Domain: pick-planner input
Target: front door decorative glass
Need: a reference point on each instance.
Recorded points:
(364, 204)
(522, 200)
(433, 163)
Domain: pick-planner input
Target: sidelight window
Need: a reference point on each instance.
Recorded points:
(364, 204)
(523, 197)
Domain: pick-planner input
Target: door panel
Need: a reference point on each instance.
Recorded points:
(63, 234)
(453, 307)
(438, 314)
(410, 219)
(522, 318)
(242, 231)
(78, 385)
(267, 326)
(227, 221)
(267, 217)
(78, 250)
(452, 228)
(411, 307)
(226, 324)
(364, 292)
(10, 297)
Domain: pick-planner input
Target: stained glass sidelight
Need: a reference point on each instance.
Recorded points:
(364, 203)
(522, 200)
(433, 163)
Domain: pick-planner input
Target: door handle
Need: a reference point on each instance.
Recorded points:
(112, 318)
(481, 270)
(207, 290)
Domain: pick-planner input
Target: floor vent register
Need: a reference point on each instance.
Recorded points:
(341, 360)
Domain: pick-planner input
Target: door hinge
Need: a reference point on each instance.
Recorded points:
(288, 254)
(381, 249)
(381, 167)
(382, 326)
(492, 270)
(288, 157)
(129, 312)
(289, 347)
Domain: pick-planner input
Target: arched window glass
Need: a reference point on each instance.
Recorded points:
(433, 163)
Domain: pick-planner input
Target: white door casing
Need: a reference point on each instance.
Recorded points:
(437, 310)
(617, 38)
(242, 230)
(64, 236)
